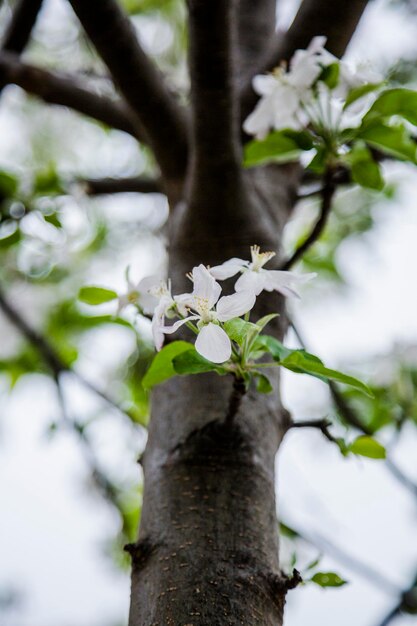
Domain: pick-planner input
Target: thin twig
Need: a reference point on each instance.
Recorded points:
(140, 184)
(333, 550)
(327, 193)
(322, 425)
(138, 80)
(235, 400)
(350, 416)
(48, 353)
(69, 91)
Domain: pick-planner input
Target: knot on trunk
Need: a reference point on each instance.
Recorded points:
(141, 550)
(218, 439)
(281, 583)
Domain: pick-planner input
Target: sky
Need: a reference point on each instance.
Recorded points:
(53, 529)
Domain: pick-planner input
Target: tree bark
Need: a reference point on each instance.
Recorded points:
(208, 543)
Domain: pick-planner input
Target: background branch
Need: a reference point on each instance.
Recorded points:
(351, 417)
(21, 25)
(336, 20)
(140, 184)
(48, 353)
(327, 192)
(139, 81)
(66, 91)
(215, 131)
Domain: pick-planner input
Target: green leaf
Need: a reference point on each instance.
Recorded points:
(266, 343)
(238, 330)
(191, 362)
(162, 367)
(402, 102)
(302, 362)
(263, 384)
(367, 446)
(313, 564)
(265, 320)
(96, 295)
(9, 184)
(302, 138)
(393, 140)
(318, 162)
(330, 75)
(277, 147)
(365, 171)
(328, 579)
(358, 92)
(287, 531)
(53, 219)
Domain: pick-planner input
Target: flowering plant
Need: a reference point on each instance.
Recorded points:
(340, 114)
(227, 341)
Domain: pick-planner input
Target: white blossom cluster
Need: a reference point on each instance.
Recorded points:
(296, 97)
(204, 310)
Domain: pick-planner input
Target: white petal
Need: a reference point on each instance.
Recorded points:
(205, 286)
(168, 330)
(251, 281)
(158, 320)
(285, 282)
(235, 305)
(228, 268)
(261, 119)
(213, 344)
(264, 84)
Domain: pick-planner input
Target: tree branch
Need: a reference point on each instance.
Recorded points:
(256, 34)
(138, 184)
(351, 417)
(48, 353)
(333, 550)
(66, 91)
(322, 425)
(21, 25)
(139, 81)
(336, 20)
(215, 132)
(327, 193)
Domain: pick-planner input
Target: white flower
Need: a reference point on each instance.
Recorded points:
(278, 107)
(166, 307)
(255, 278)
(307, 65)
(329, 112)
(212, 341)
(139, 294)
(283, 92)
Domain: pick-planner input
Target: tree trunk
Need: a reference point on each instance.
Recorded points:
(208, 542)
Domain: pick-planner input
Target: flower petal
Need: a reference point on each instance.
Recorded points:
(285, 282)
(261, 119)
(235, 305)
(158, 320)
(205, 286)
(252, 281)
(168, 330)
(213, 344)
(228, 268)
(264, 84)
